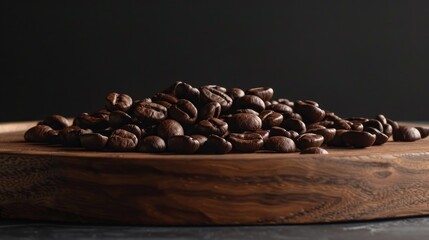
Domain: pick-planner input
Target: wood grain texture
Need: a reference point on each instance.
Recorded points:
(45, 182)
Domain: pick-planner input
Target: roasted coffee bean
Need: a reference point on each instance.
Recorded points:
(380, 138)
(381, 118)
(246, 142)
(247, 110)
(94, 121)
(116, 101)
(286, 101)
(280, 144)
(308, 140)
(183, 144)
(342, 124)
(150, 112)
(209, 110)
(392, 123)
(250, 101)
(264, 93)
(164, 103)
(235, 93)
(184, 112)
(56, 122)
(338, 141)
(93, 141)
(294, 124)
(309, 111)
(279, 131)
(265, 134)
(388, 130)
(186, 91)
(70, 136)
(200, 138)
(293, 135)
(406, 134)
(281, 108)
(38, 133)
(165, 98)
(314, 150)
(374, 124)
(151, 144)
(214, 95)
(122, 140)
(136, 130)
(288, 115)
(119, 118)
(172, 88)
(357, 126)
(314, 126)
(211, 126)
(358, 139)
(267, 104)
(217, 145)
(424, 131)
(241, 122)
(327, 133)
(217, 87)
(270, 119)
(169, 128)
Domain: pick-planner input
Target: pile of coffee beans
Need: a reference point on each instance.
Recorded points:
(214, 120)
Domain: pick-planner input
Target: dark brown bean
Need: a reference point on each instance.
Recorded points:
(93, 141)
(270, 119)
(235, 93)
(165, 98)
(374, 124)
(247, 110)
(246, 142)
(217, 145)
(214, 95)
(119, 118)
(209, 110)
(262, 92)
(183, 144)
(338, 141)
(281, 108)
(388, 130)
(280, 144)
(294, 124)
(186, 91)
(184, 112)
(381, 118)
(169, 128)
(279, 131)
(37, 133)
(122, 140)
(213, 126)
(116, 101)
(314, 150)
(150, 112)
(424, 131)
(406, 134)
(327, 133)
(241, 122)
(308, 140)
(56, 122)
(151, 144)
(309, 111)
(70, 136)
(380, 138)
(94, 121)
(136, 130)
(250, 101)
(358, 139)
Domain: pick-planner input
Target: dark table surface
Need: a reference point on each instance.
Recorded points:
(407, 228)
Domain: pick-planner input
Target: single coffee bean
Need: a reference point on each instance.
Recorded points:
(184, 112)
(200, 138)
(116, 101)
(279, 131)
(150, 112)
(164, 103)
(270, 119)
(217, 87)
(70, 136)
(118, 118)
(214, 95)
(264, 93)
(241, 122)
(342, 124)
(211, 126)
(406, 134)
(314, 150)
(286, 101)
(172, 88)
(93, 141)
(165, 98)
(326, 123)
(267, 104)
(392, 123)
(388, 130)
(308, 140)
(358, 139)
(209, 110)
(293, 135)
(235, 93)
(356, 126)
(38, 133)
(247, 110)
(374, 124)
(217, 145)
(56, 122)
(151, 144)
(122, 141)
(281, 108)
(246, 142)
(381, 118)
(309, 111)
(288, 115)
(136, 130)
(280, 144)
(338, 141)
(265, 134)
(183, 144)
(94, 121)
(186, 91)
(424, 131)
(250, 101)
(169, 128)
(327, 133)
(294, 124)
(380, 138)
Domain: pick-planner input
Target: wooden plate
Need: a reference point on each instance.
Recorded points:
(61, 184)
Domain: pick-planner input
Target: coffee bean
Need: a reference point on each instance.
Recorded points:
(70, 136)
(118, 118)
(38, 133)
(235, 93)
(213, 126)
(186, 91)
(342, 124)
(150, 112)
(309, 111)
(151, 144)
(380, 138)
(388, 130)
(122, 140)
(116, 101)
(56, 122)
(200, 138)
(392, 123)
(53, 137)
(164, 103)
(286, 101)
(184, 112)
(94, 121)
(338, 141)
(381, 118)
(270, 119)
(136, 130)
(294, 124)
(93, 141)
(169, 128)
(314, 150)
(327, 133)
(241, 122)
(163, 97)
(264, 93)
(282, 108)
(374, 124)
(294, 135)
(217, 145)
(357, 126)
(267, 104)
(358, 139)
(183, 144)
(247, 110)
(214, 95)
(279, 131)
(288, 115)
(314, 126)
(280, 144)
(424, 131)
(209, 110)
(246, 142)
(265, 134)
(308, 140)
(406, 134)
(250, 101)
(217, 87)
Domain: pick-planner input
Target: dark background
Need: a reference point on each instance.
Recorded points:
(354, 57)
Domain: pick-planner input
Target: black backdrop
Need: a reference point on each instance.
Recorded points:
(354, 57)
